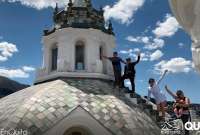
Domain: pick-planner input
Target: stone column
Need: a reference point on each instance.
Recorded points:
(196, 54)
(187, 13)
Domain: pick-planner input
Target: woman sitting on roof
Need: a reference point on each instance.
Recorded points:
(181, 106)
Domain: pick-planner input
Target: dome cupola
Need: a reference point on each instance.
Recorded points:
(78, 14)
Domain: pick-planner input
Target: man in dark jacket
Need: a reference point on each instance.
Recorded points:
(129, 72)
(116, 62)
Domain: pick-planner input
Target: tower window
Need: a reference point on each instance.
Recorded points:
(54, 59)
(79, 56)
(100, 52)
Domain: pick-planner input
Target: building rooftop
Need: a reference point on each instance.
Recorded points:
(40, 108)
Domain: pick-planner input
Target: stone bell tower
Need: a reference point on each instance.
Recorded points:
(73, 47)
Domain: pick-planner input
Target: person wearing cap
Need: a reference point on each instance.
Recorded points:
(129, 72)
(116, 62)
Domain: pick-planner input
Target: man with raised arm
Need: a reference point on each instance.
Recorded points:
(129, 72)
(181, 106)
(157, 93)
(116, 62)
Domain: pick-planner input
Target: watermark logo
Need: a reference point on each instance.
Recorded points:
(192, 126)
(198, 133)
(13, 132)
(172, 128)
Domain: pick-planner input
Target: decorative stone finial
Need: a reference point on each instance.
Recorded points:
(56, 9)
(70, 4)
(110, 27)
(89, 4)
(101, 10)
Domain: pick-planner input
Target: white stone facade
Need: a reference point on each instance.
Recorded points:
(187, 13)
(65, 40)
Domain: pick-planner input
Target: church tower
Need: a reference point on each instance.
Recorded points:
(73, 47)
(72, 94)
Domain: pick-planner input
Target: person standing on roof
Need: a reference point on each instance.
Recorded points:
(129, 72)
(116, 62)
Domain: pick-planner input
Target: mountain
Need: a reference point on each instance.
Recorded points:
(8, 86)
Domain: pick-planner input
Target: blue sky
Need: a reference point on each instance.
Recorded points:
(145, 26)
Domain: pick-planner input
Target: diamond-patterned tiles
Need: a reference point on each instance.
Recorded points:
(41, 107)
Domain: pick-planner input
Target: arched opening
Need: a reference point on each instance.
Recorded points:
(77, 131)
(54, 58)
(102, 52)
(80, 56)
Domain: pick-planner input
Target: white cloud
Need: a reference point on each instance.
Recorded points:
(28, 68)
(7, 50)
(2, 58)
(13, 73)
(40, 4)
(16, 73)
(181, 45)
(156, 55)
(167, 28)
(138, 39)
(175, 65)
(144, 56)
(136, 50)
(148, 56)
(132, 39)
(155, 44)
(145, 40)
(123, 52)
(133, 53)
(123, 10)
(126, 51)
(149, 42)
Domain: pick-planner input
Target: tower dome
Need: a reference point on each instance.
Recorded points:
(72, 106)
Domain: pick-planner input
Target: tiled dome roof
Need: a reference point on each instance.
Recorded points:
(39, 108)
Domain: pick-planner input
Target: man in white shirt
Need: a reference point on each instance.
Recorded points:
(157, 93)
